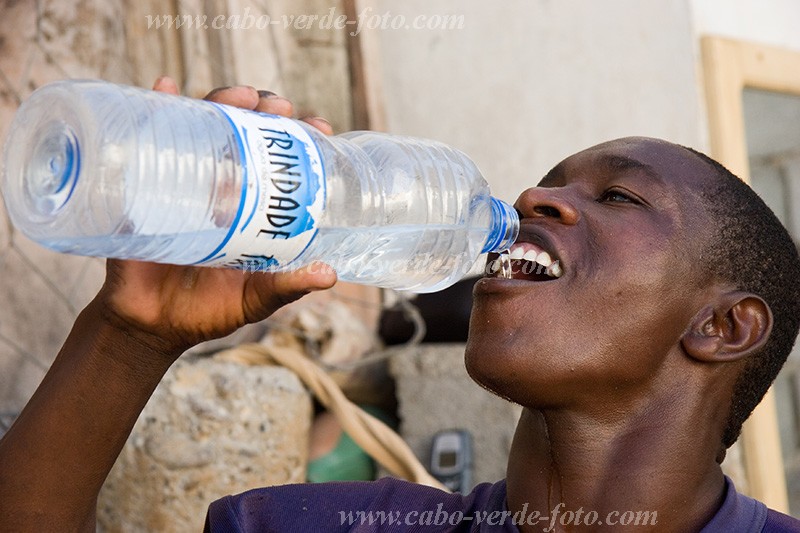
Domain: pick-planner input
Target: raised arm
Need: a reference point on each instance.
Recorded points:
(56, 456)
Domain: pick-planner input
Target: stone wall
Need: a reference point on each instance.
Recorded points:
(211, 428)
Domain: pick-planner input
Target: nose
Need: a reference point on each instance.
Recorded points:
(551, 202)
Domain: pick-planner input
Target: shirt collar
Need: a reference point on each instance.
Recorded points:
(737, 513)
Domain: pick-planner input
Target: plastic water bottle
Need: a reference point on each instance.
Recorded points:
(99, 169)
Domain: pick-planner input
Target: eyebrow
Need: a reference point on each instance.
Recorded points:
(621, 162)
(613, 162)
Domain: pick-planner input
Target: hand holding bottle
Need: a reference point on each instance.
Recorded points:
(174, 307)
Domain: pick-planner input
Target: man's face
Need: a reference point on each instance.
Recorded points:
(625, 222)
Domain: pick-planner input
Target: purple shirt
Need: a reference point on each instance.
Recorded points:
(393, 505)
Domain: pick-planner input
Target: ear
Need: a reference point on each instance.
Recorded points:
(737, 325)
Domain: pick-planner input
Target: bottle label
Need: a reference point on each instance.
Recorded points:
(283, 193)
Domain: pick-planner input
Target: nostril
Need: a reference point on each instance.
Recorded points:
(547, 211)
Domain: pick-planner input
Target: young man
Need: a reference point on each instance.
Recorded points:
(678, 303)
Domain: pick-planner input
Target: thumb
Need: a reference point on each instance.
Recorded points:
(265, 293)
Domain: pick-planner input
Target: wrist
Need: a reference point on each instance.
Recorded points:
(133, 345)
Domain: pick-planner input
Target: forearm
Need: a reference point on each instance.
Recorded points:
(55, 458)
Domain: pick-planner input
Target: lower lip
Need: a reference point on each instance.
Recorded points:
(500, 285)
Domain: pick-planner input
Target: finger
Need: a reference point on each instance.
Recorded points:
(320, 123)
(165, 84)
(240, 96)
(266, 293)
(269, 102)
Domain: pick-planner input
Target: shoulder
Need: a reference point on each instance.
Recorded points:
(340, 506)
(780, 523)
(740, 513)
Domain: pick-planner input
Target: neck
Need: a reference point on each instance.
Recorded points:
(649, 460)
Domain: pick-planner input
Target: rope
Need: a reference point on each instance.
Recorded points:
(372, 435)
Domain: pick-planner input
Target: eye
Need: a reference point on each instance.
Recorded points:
(618, 196)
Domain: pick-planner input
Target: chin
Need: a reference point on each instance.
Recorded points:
(488, 383)
(486, 368)
(510, 375)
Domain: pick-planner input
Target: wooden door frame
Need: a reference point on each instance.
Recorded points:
(730, 66)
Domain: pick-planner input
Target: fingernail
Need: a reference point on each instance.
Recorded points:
(266, 94)
(217, 90)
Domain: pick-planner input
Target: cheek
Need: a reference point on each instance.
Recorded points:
(625, 330)
(633, 333)
(636, 274)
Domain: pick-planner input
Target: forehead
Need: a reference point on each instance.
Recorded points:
(658, 163)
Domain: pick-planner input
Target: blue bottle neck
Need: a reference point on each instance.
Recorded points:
(504, 227)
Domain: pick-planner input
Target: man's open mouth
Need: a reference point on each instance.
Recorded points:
(524, 261)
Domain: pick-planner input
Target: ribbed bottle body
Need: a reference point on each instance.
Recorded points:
(98, 169)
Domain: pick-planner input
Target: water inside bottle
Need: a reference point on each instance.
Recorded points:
(175, 248)
(424, 256)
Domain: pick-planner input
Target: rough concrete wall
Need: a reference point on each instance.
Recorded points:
(435, 392)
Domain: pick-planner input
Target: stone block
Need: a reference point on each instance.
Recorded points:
(435, 392)
(212, 428)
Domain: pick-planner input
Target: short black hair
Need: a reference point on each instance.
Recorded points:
(750, 248)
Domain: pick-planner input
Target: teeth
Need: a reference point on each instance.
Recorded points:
(544, 259)
(550, 267)
(517, 253)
